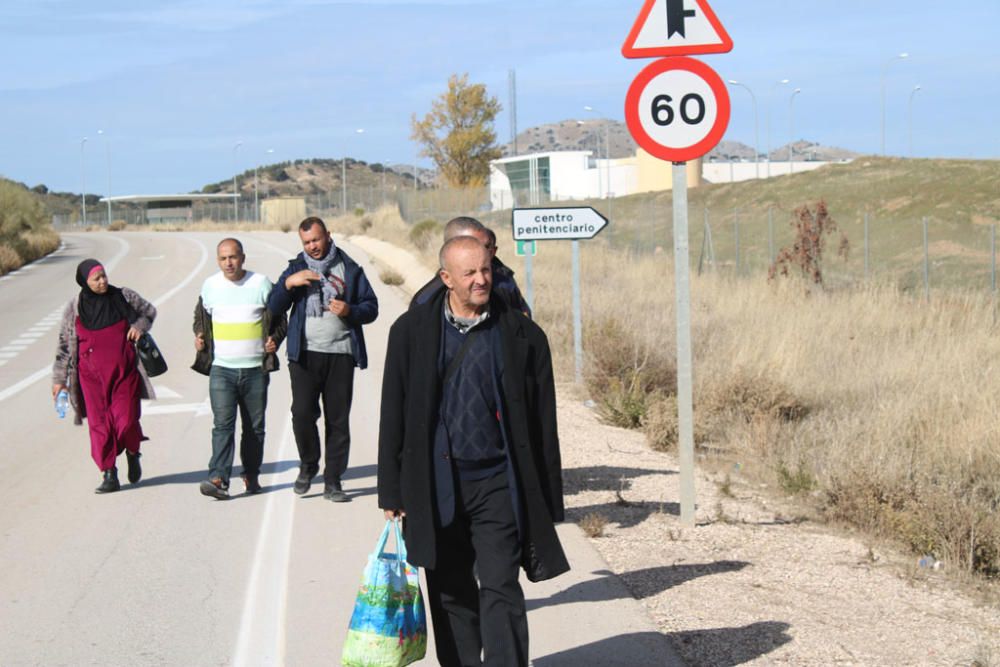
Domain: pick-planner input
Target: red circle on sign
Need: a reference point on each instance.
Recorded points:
(675, 153)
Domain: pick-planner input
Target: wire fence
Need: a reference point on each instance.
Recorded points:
(916, 254)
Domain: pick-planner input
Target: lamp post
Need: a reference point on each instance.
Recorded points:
(256, 199)
(791, 127)
(770, 97)
(236, 199)
(83, 180)
(107, 151)
(885, 72)
(607, 152)
(909, 118)
(343, 178)
(756, 127)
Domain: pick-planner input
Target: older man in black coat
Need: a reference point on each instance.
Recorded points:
(469, 456)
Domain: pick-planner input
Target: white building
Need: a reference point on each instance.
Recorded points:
(526, 180)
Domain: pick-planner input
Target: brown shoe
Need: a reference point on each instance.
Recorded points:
(214, 488)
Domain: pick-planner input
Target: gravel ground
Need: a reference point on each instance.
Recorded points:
(748, 585)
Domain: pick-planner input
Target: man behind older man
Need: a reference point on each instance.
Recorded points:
(469, 454)
(504, 284)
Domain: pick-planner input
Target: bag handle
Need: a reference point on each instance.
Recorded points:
(400, 554)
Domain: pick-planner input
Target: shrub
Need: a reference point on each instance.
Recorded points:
(358, 212)
(117, 226)
(9, 260)
(593, 524)
(390, 277)
(806, 252)
(623, 373)
(285, 227)
(424, 232)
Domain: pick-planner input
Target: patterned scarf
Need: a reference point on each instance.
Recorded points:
(328, 287)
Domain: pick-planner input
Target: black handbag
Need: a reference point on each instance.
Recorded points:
(150, 356)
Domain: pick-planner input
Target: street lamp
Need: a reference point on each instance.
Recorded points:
(791, 125)
(756, 127)
(909, 117)
(236, 199)
(770, 97)
(343, 179)
(256, 200)
(83, 180)
(885, 72)
(607, 153)
(107, 150)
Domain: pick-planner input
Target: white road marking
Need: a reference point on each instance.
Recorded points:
(8, 355)
(165, 392)
(147, 259)
(262, 626)
(198, 409)
(12, 347)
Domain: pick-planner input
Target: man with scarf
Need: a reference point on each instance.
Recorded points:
(96, 363)
(331, 299)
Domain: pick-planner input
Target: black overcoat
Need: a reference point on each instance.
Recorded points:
(411, 395)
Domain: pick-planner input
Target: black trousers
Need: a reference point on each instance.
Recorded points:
(329, 377)
(487, 619)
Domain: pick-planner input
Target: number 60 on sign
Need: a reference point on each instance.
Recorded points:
(677, 109)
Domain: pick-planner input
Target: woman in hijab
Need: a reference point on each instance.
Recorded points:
(96, 363)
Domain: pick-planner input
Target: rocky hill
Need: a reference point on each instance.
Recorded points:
(598, 133)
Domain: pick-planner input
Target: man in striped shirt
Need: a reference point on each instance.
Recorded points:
(237, 335)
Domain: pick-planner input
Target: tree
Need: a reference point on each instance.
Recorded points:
(458, 132)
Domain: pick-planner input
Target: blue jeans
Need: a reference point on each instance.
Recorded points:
(229, 389)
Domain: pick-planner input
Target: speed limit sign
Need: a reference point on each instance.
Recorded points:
(677, 109)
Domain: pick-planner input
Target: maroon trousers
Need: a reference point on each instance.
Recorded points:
(110, 382)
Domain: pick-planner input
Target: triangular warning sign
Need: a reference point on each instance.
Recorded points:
(676, 28)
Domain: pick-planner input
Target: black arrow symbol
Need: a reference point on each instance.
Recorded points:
(675, 17)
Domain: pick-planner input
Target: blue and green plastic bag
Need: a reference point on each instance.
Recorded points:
(388, 627)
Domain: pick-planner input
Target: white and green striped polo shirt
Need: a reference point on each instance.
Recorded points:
(237, 309)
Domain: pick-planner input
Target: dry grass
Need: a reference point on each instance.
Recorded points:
(390, 277)
(879, 408)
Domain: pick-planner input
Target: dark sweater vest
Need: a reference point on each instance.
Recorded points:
(469, 405)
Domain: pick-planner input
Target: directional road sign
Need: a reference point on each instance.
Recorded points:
(677, 109)
(556, 224)
(523, 248)
(676, 28)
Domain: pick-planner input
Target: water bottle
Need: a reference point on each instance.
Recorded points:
(62, 403)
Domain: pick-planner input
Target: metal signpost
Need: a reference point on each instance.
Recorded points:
(677, 109)
(561, 224)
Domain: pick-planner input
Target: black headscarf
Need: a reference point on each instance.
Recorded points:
(100, 310)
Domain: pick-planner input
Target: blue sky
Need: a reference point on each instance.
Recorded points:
(176, 84)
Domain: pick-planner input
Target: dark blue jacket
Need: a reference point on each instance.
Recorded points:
(359, 296)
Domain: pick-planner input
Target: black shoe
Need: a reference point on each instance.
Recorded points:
(252, 484)
(335, 492)
(215, 488)
(303, 482)
(134, 467)
(110, 483)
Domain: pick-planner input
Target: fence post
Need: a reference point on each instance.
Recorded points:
(736, 241)
(770, 234)
(866, 247)
(993, 260)
(927, 268)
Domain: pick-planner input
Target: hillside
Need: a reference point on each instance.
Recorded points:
(958, 197)
(589, 134)
(321, 175)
